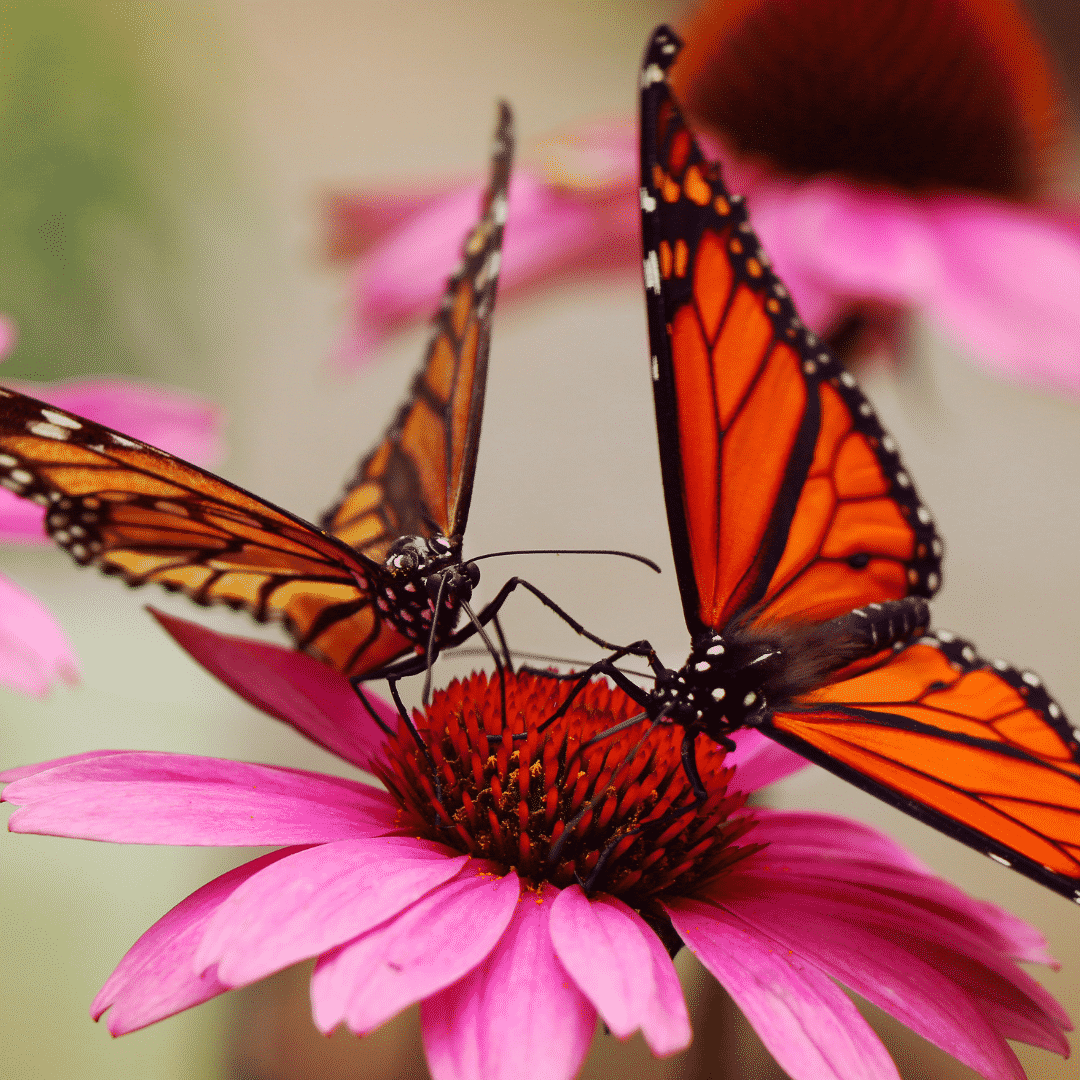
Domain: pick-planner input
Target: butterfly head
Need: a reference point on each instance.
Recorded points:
(427, 568)
(419, 556)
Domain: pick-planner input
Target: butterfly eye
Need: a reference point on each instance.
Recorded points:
(472, 571)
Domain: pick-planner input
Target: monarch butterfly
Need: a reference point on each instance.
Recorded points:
(803, 554)
(386, 576)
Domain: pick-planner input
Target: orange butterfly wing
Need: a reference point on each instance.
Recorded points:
(784, 493)
(978, 750)
(146, 516)
(418, 479)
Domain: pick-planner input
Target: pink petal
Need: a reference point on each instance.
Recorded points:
(156, 977)
(8, 336)
(153, 798)
(33, 649)
(885, 967)
(548, 233)
(19, 771)
(956, 256)
(358, 220)
(21, 521)
(517, 1016)
(1010, 287)
(805, 1021)
(821, 846)
(622, 968)
(961, 948)
(309, 696)
(759, 761)
(599, 155)
(318, 899)
(427, 947)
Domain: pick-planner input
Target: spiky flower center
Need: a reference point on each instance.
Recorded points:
(618, 815)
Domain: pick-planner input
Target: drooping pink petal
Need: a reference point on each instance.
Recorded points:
(318, 899)
(622, 968)
(20, 771)
(155, 798)
(34, 651)
(424, 949)
(885, 967)
(156, 977)
(518, 1015)
(759, 761)
(306, 695)
(549, 233)
(805, 1021)
(824, 847)
(933, 921)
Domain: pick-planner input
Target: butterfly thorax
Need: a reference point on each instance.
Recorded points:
(734, 679)
(425, 573)
(720, 686)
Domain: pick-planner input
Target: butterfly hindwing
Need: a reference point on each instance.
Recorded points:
(784, 493)
(146, 516)
(418, 479)
(975, 748)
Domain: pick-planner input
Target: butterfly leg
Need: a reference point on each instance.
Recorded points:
(604, 667)
(491, 649)
(421, 745)
(370, 708)
(689, 764)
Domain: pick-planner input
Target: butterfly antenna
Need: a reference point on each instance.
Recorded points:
(572, 661)
(571, 551)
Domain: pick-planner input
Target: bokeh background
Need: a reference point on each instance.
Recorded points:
(162, 169)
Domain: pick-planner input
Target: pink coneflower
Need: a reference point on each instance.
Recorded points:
(519, 885)
(34, 650)
(895, 157)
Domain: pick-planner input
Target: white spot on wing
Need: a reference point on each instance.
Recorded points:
(61, 419)
(47, 431)
(121, 441)
(652, 273)
(655, 370)
(648, 203)
(999, 859)
(652, 74)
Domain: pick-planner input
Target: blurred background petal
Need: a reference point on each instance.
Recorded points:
(33, 648)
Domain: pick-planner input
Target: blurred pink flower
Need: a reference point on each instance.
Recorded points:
(466, 894)
(34, 651)
(873, 196)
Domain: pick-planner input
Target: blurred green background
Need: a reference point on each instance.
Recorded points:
(161, 170)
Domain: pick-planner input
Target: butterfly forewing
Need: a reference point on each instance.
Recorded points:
(976, 749)
(146, 516)
(784, 493)
(418, 479)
